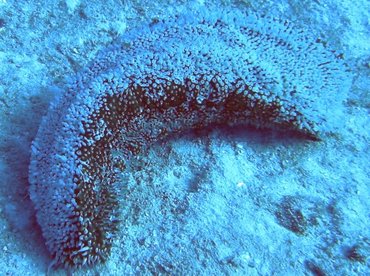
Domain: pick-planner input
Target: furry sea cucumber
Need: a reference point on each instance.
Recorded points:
(188, 71)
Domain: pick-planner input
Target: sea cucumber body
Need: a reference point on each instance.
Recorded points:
(184, 72)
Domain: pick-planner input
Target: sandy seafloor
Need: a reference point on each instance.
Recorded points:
(233, 202)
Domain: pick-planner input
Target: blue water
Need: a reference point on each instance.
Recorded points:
(208, 202)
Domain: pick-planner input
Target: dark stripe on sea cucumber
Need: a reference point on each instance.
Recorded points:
(183, 72)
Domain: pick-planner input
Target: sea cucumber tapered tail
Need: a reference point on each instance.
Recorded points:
(183, 72)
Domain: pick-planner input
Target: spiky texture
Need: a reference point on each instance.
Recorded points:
(179, 73)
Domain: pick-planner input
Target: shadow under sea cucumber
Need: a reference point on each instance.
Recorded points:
(188, 71)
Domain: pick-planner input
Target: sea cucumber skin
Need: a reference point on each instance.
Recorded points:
(183, 72)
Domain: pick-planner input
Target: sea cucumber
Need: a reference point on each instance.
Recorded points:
(188, 71)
